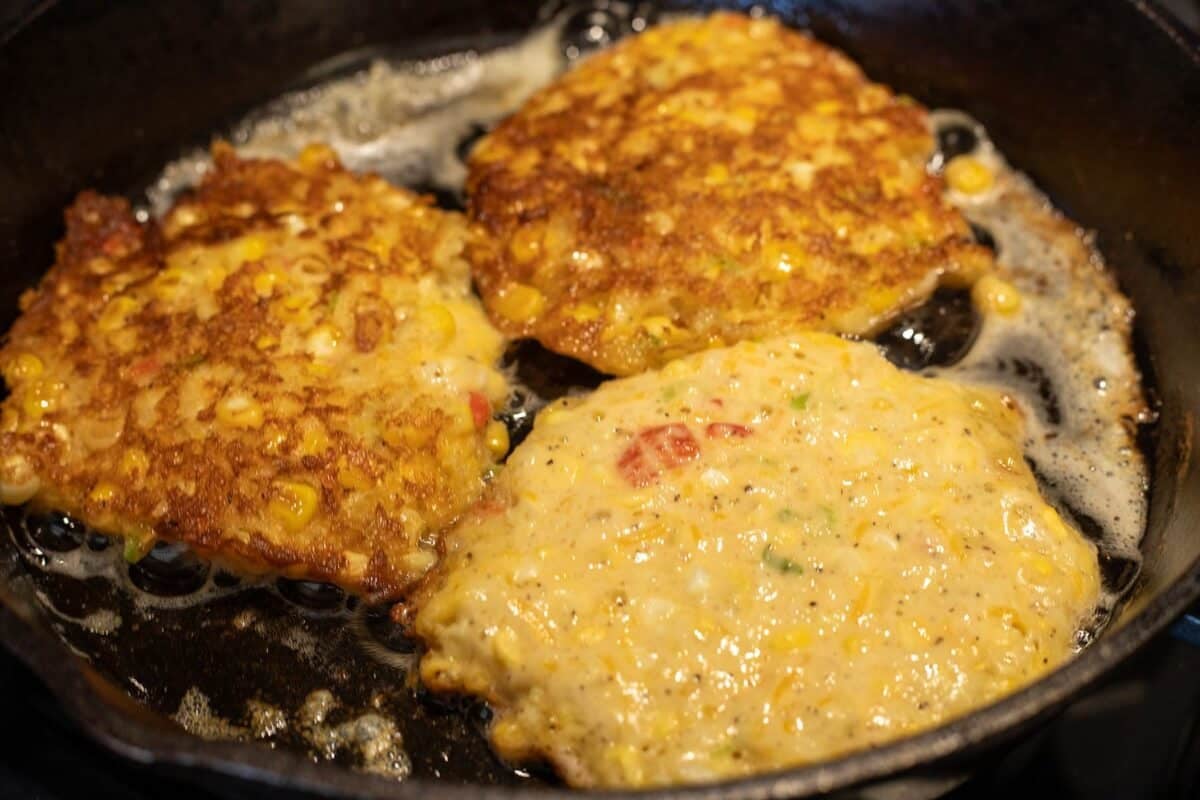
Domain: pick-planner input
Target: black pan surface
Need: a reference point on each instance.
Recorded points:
(1097, 101)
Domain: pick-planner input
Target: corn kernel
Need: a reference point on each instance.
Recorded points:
(520, 303)
(354, 478)
(585, 312)
(42, 398)
(440, 320)
(995, 295)
(266, 341)
(827, 107)
(496, 439)
(506, 647)
(314, 441)
(294, 504)
(102, 492)
(968, 175)
(323, 341)
(782, 258)
(116, 314)
(793, 639)
(25, 365)
(658, 326)
(316, 156)
(135, 463)
(716, 175)
(418, 562)
(526, 243)
(240, 411)
(214, 279)
(18, 481)
(506, 733)
(264, 283)
(252, 248)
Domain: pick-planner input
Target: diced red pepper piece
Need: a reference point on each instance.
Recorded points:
(727, 430)
(655, 450)
(481, 410)
(144, 368)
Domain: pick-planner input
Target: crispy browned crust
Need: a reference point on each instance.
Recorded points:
(651, 196)
(188, 379)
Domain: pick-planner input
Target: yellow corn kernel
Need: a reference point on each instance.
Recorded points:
(318, 370)
(506, 647)
(991, 294)
(879, 299)
(314, 441)
(520, 303)
(1040, 564)
(716, 175)
(855, 645)
(827, 107)
(42, 398)
(418, 562)
(526, 243)
(792, 639)
(658, 326)
(294, 504)
(316, 156)
(24, 366)
(116, 314)
(440, 320)
(135, 463)
(240, 411)
(549, 415)
(625, 758)
(506, 733)
(496, 438)
(252, 248)
(18, 481)
(968, 175)
(214, 279)
(266, 341)
(782, 258)
(264, 283)
(743, 118)
(585, 312)
(300, 300)
(323, 341)
(354, 478)
(102, 492)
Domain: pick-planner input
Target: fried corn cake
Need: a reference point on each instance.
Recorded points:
(708, 181)
(778, 552)
(288, 373)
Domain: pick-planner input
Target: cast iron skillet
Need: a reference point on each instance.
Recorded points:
(1097, 101)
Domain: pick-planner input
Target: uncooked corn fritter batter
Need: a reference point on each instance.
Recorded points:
(759, 556)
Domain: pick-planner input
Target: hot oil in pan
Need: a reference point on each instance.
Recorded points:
(301, 665)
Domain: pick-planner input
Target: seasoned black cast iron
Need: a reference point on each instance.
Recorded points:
(1098, 101)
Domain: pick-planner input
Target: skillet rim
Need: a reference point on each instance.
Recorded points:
(145, 737)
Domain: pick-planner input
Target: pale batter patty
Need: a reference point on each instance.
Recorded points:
(759, 556)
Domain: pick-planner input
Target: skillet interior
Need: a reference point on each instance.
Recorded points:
(1095, 100)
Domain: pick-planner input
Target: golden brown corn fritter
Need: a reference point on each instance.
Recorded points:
(288, 373)
(708, 181)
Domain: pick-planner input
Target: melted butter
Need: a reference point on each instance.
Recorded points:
(1064, 355)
